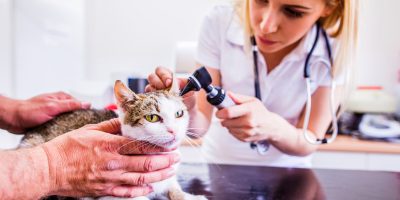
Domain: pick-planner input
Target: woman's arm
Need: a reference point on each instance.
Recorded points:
(201, 113)
(250, 121)
(291, 139)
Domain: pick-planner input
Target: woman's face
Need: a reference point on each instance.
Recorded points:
(280, 24)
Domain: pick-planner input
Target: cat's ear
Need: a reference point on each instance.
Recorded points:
(174, 89)
(123, 93)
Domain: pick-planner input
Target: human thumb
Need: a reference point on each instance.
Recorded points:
(238, 98)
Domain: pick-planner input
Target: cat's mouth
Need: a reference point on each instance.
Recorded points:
(168, 143)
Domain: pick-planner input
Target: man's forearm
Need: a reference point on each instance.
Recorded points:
(24, 174)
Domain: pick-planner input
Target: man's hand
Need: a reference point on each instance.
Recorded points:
(40, 109)
(89, 162)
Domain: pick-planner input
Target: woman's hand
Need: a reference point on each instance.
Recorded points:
(40, 109)
(90, 162)
(162, 79)
(249, 120)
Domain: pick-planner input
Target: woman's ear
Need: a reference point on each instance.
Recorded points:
(122, 93)
(329, 9)
(174, 88)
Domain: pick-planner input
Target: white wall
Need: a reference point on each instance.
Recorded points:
(58, 43)
(65, 41)
(379, 43)
(6, 71)
(137, 36)
(5, 47)
(49, 45)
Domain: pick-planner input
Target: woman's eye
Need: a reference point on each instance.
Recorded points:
(262, 1)
(293, 14)
(179, 114)
(152, 118)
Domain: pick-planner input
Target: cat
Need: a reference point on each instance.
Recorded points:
(64, 123)
(160, 118)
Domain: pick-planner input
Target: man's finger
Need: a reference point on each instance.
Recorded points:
(135, 178)
(70, 105)
(130, 191)
(148, 163)
(112, 126)
(134, 147)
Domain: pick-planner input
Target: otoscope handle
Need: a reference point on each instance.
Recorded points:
(227, 102)
(218, 98)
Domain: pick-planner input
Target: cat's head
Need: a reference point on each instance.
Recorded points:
(160, 117)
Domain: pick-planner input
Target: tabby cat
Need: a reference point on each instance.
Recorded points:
(158, 117)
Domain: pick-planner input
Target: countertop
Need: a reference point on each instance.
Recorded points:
(351, 144)
(235, 182)
(344, 143)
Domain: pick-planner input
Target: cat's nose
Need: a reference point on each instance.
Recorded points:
(170, 130)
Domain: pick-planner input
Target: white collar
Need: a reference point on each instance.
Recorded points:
(235, 32)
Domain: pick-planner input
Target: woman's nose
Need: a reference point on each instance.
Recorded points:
(269, 23)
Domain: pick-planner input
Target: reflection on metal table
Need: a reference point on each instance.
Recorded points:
(233, 182)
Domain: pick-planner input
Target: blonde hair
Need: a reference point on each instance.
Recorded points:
(342, 24)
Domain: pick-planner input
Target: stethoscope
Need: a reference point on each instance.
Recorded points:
(263, 146)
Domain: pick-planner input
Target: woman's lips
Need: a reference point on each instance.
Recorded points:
(266, 41)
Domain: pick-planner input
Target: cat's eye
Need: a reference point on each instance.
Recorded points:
(152, 118)
(179, 114)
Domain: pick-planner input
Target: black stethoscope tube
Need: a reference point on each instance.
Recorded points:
(263, 146)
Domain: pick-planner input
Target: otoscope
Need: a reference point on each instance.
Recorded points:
(217, 97)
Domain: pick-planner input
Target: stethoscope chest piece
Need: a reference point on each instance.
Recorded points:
(261, 147)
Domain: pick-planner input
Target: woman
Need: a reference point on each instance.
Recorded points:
(284, 32)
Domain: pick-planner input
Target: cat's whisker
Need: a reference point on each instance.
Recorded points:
(193, 134)
(125, 145)
(197, 148)
(144, 139)
(197, 129)
(191, 143)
